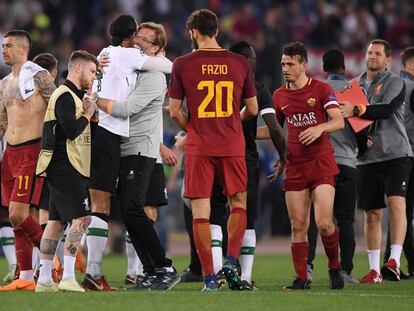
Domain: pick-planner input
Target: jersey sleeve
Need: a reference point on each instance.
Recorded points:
(133, 58)
(328, 98)
(264, 100)
(249, 89)
(176, 87)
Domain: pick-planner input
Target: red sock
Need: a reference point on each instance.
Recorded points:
(24, 249)
(236, 226)
(300, 258)
(202, 241)
(32, 230)
(330, 244)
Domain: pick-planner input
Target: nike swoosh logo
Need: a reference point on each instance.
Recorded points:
(98, 287)
(21, 194)
(284, 107)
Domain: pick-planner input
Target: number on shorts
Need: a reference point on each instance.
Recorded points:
(216, 90)
(24, 179)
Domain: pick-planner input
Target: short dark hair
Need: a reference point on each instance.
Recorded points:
(84, 56)
(296, 49)
(333, 60)
(407, 54)
(242, 48)
(46, 60)
(385, 44)
(122, 28)
(20, 34)
(160, 35)
(205, 21)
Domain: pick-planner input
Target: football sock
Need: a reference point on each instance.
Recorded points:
(133, 262)
(236, 226)
(202, 241)
(216, 247)
(396, 253)
(330, 244)
(24, 249)
(69, 267)
(7, 243)
(300, 258)
(32, 230)
(247, 254)
(96, 237)
(374, 259)
(35, 257)
(45, 276)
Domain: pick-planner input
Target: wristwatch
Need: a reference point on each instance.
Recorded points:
(356, 110)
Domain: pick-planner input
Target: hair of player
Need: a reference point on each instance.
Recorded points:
(204, 21)
(333, 61)
(406, 55)
(296, 49)
(46, 61)
(22, 34)
(122, 28)
(160, 34)
(82, 55)
(242, 48)
(385, 44)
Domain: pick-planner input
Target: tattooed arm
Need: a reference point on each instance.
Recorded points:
(3, 112)
(44, 84)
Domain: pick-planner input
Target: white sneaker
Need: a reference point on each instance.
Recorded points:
(46, 288)
(70, 285)
(309, 273)
(10, 276)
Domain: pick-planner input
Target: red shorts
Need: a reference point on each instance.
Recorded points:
(310, 174)
(18, 169)
(200, 172)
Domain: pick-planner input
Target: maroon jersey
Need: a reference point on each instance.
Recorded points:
(214, 82)
(302, 109)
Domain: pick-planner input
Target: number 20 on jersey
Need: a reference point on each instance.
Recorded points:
(215, 90)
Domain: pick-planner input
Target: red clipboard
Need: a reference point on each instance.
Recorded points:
(354, 94)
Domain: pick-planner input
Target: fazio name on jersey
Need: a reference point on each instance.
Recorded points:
(302, 119)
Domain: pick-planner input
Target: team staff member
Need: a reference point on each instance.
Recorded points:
(66, 151)
(383, 169)
(305, 104)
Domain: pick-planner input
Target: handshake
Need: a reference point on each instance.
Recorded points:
(90, 107)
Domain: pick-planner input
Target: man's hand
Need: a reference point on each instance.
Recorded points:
(180, 140)
(167, 155)
(347, 109)
(89, 106)
(104, 61)
(311, 134)
(279, 166)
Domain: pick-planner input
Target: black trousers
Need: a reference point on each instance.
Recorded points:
(408, 246)
(134, 178)
(344, 213)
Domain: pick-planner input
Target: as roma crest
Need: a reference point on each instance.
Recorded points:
(311, 101)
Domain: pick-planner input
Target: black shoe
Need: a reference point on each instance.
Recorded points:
(298, 284)
(232, 277)
(165, 280)
(221, 278)
(249, 286)
(188, 276)
(336, 281)
(143, 283)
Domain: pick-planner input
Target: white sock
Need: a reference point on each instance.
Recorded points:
(26, 275)
(247, 254)
(132, 257)
(69, 267)
(96, 237)
(60, 249)
(396, 253)
(374, 259)
(35, 258)
(7, 242)
(45, 276)
(216, 247)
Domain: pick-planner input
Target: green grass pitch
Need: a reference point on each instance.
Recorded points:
(270, 274)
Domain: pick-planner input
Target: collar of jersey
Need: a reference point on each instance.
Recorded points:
(211, 49)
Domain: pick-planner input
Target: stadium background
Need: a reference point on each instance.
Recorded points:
(59, 27)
